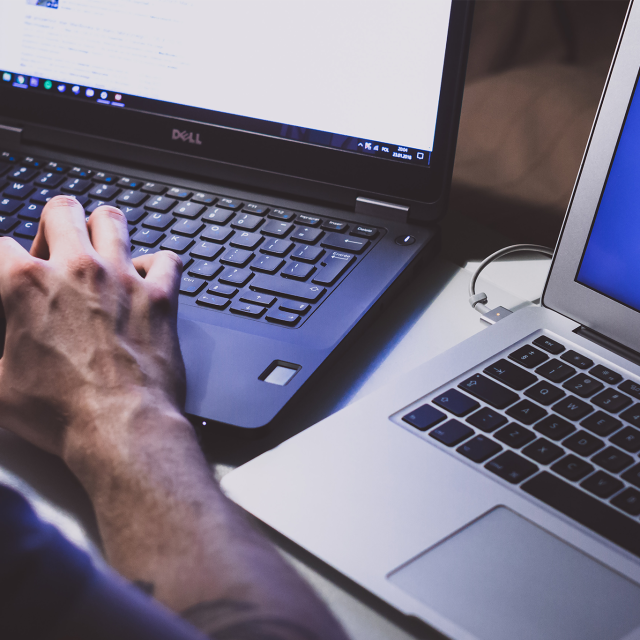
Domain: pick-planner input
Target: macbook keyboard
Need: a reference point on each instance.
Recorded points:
(550, 420)
(240, 257)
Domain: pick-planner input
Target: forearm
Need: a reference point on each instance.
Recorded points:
(165, 522)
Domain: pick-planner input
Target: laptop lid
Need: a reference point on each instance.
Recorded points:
(331, 99)
(595, 275)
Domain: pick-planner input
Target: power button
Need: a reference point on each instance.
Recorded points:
(405, 241)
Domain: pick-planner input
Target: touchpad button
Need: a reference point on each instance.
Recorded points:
(502, 577)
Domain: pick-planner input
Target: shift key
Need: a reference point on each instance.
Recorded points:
(489, 391)
(287, 288)
(345, 243)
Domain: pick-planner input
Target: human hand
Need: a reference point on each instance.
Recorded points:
(91, 337)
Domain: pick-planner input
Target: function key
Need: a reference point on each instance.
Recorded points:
(204, 198)
(281, 317)
(632, 388)
(129, 183)
(334, 225)
(309, 221)
(55, 167)
(455, 402)
(528, 357)
(32, 162)
(365, 232)
(230, 203)
(105, 178)
(282, 214)
(7, 156)
(256, 209)
(577, 359)
(78, 172)
(605, 374)
(179, 194)
(549, 345)
(23, 174)
(511, 467)
(154, 188)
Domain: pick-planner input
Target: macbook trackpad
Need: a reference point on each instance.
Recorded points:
(502, 577)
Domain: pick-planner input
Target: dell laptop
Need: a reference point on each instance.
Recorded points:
(297, 155)
(494, 492)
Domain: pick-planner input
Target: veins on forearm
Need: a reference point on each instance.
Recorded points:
(237, 620)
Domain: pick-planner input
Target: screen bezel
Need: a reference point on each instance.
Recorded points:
(563, 292)
(369, 175)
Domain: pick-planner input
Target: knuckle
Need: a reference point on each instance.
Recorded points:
(27, 274)
(160, 300)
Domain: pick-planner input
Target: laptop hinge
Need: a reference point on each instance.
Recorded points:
(388, 210)
(607, 343)
(10, 136)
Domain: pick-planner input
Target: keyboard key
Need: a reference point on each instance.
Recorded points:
(26, 230)
(632, 388)
(159, 221)
(309, 235)
(555, 371)
(308, 221)
(31, 212)
(143, 251)
(543, 451)
(206, 250)
(77, 186)
(632, 415)
(511, 467)
(549, 345)
(217, 234)
(24, 174)
(8, 206)
(583, 443)
(245, 309)
(131, 198)
(42, 196)
(345, 243)
(488, 391)
(276, 228)
(455, 402)
(628, 439)
(602, 484)
(451, 433)
(572, 408)
(424, 417)
(607, 375)
(288, 288)
(612, 400)
(247, 221)
(148, 237)
(282, 214)
(253, 297)
(613, 459)
(601, 424)
(177, 244)
(18, 191)
(515, 435)
(256, 209)
(282, 317)
(334, 225)
(237, 257)
(186, 227)
(153, 188)
(247, 240)
(7, 224)
(204, 198)
(104, 191)
(628, 501)
(189, 210)
(577, 360)
(526, 412)
(633, 475)
(307, 253)
(572, 468)
(295, 307)
(487, 420)
(232, 275)
(215, 302)
(544, 393)
(219, 216)
(51, 180)
(510, 374)
(179, 193)
(365, 232)
(191, 286)
(297, 270)
(267, 264)
(276, 247)
(134, 215)
(222, 290)
(479, 449)
(230, 203)
(586, 510)
(554, 427)
(128, 183)
(528, 357)
(583, 385)
(205, 269)
(160, 204)
(79, 172)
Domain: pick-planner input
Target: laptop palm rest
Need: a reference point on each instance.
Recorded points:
(502, 577)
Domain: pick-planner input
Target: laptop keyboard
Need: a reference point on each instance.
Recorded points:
(550, 420)
(250, 259)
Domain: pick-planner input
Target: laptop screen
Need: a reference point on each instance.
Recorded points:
(611, 261)
(359, 75)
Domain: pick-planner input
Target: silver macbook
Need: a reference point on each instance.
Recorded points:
(494, 492)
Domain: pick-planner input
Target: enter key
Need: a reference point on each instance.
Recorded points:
(336, 264)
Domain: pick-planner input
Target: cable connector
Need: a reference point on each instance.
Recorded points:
(495, 315)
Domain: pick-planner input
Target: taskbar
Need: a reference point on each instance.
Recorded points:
(243, 123)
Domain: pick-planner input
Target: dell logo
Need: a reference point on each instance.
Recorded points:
(186, 136)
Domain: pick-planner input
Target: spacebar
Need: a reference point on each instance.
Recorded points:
(588, 511)
(287, 288)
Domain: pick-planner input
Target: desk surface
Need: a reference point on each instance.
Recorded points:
(431, 315)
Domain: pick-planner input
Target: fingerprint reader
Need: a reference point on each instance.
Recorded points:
(280, 373)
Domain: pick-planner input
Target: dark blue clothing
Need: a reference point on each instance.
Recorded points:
(50, 589)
